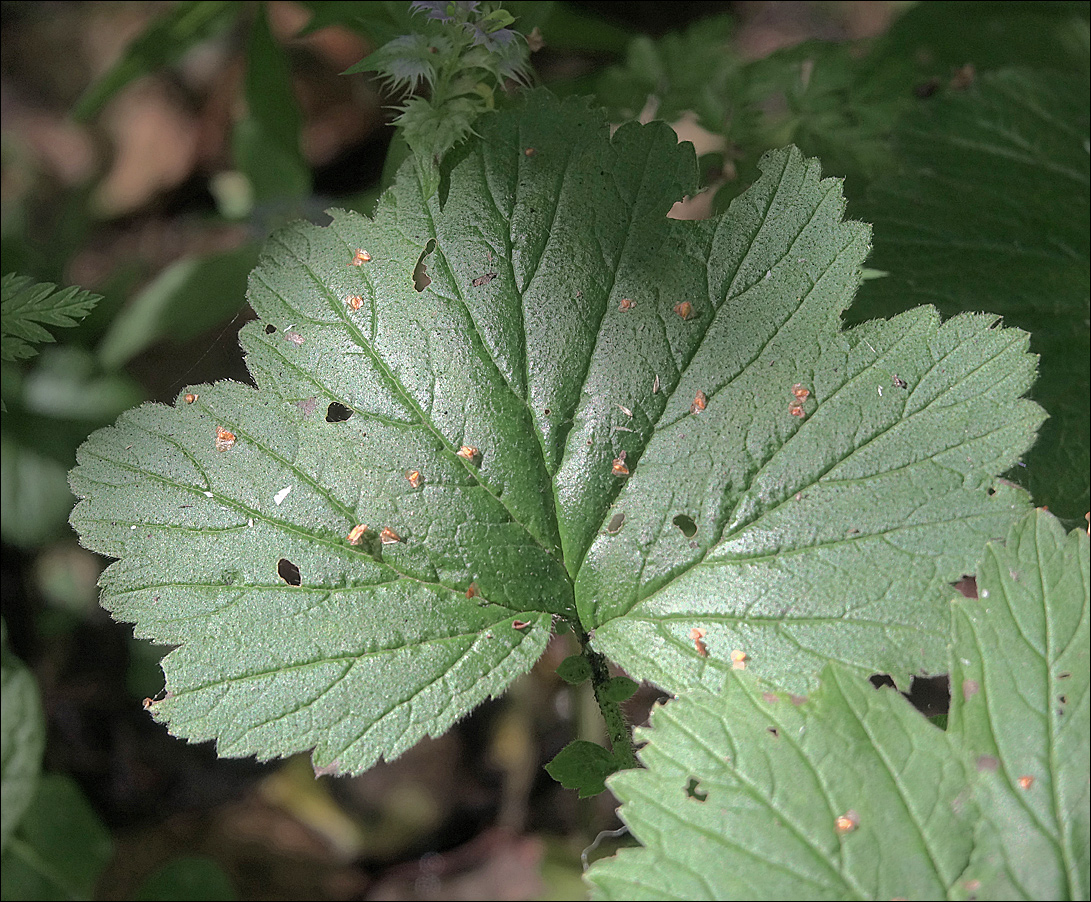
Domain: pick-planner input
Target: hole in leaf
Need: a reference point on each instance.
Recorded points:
(289, 572)
(421, 279)
(693, 792)
(270, 329)
(686, 524)
(337, 413)
(774, 731)
(614, 526)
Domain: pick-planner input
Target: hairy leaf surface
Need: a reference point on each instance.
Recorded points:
(532, 395)
(750, 794)
(853, 794)
(1020, 706)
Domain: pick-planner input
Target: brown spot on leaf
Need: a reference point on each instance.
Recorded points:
(684, 310)
(700, 402)
(225, 440)
(847, 822)
(618, 467)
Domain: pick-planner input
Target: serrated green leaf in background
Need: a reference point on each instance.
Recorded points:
(375, 539)
(582, 766)
(60, 847)
(22, 740)
(29, 306)
(1020, 708)
(989, 211)
(750, 794)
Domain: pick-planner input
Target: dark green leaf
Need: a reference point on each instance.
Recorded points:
(574, 669)
(163, 42)
(184, 300)
(186, 878)
(266, 142)
(990, 212)
(60, 847)
(619, 689)
(583, 766)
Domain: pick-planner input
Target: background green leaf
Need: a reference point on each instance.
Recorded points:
(266, 141)
(60, 847)
(183, 301)
(22, 740)
(989, 211)
(29, 306)
(162, 43)
(1020, 708)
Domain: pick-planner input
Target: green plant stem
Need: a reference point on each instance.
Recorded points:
(621, 739)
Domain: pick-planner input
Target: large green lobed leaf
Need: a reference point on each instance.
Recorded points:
(486, 420)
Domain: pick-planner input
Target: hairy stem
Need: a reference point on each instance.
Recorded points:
(621, 738)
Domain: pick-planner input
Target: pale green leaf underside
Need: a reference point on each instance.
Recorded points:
(743, 791)
(548, 340)
(1021, 707)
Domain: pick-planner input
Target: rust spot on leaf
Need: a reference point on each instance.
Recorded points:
(360, 257)
(520, 624)
(414, 478)
(697, 634)
(684, 310)
(626, 304)
(225, 440)
(190, 397)
(847, 822)
(738, 659)
(618, 467)
(356, 534)
(700, 402)
(469, 452)
(354, 301)
(388, 537)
